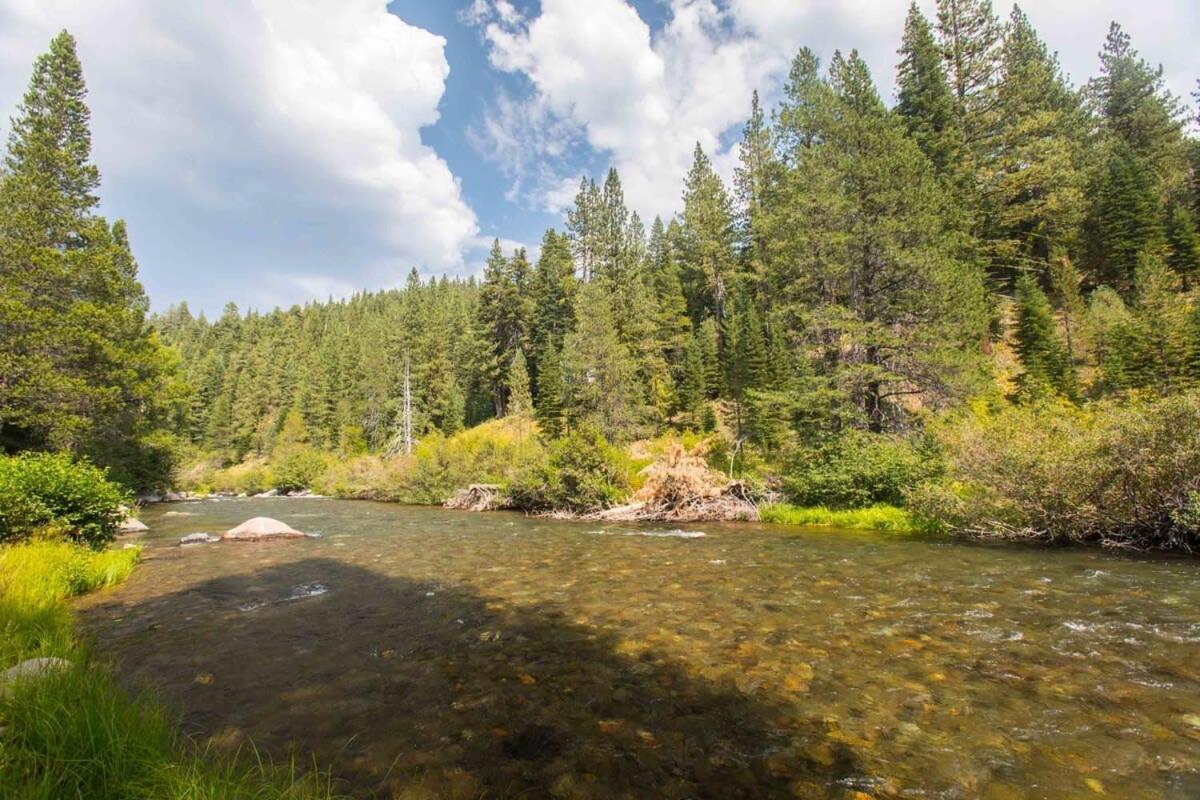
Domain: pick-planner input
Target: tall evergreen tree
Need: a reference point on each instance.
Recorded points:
(1036, 181)
(707, 238)
(1045, 359)
(79, 367)
(924, 98)
(1136, 107)
(970, 37)
(1127, 218)
(599, 372)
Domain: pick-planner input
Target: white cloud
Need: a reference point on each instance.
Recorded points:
(301, 117)
(645, 98)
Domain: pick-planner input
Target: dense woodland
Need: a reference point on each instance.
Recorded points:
(861, 270)
(1000, 235)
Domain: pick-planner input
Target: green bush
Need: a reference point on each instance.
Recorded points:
(1122, 472)
(296, 467)
(857, 469)
(874, 518)
(583, 473)
(53, 494)
(493, 452)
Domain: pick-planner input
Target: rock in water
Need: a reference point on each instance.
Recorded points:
(32, 668)
(132, 525)
(262, 528)
(268, 493)
(199, 538)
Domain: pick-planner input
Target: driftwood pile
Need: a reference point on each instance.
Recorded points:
(477, 497)
(681, 487)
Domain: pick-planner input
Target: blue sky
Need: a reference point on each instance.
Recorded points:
(271, 152)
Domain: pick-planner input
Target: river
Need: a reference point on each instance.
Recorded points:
(425, 653)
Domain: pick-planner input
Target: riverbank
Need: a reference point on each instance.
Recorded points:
(72, 730)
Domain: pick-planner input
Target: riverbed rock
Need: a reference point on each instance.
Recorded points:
(133, 525)
(32, 668)
(268, 493)
(199, 538)
(262, 528)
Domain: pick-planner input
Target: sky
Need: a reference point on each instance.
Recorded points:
(271, 152)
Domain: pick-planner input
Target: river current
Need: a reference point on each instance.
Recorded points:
(421, 653)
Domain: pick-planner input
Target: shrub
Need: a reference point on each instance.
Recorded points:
(494, 452)
(858, 469)
(52, 494)
(296, 467)
(875, 518)
(583, 473)
(1120, 472)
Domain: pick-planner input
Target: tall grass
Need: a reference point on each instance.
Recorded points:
(75, 733)
(875, 518)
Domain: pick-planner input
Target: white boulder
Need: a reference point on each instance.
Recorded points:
(262, 528)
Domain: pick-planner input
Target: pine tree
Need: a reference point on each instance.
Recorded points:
(752, 182)
(584, 227)
(79, 367)
(553, 288)
(1036, 180)
(520, 396)
(1046, 362)
(550, 390)
(599, 372)
(671, 323)
(1126, 218)
(1065, 286)
(707, 237)
(924, 98)
(1137, 109)
(692, 392)
(1183, 243)
(970, 37)
(869, 270)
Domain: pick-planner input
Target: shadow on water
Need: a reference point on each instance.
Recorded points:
(418, 689)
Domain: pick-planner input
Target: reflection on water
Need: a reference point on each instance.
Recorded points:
(424, 653)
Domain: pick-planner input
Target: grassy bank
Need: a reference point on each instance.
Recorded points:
(75, 732)
(875, 518)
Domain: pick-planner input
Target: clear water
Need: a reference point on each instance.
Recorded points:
(427, 653)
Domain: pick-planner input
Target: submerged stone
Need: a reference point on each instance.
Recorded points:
(32, 668)
(199, 538)
(262, 528)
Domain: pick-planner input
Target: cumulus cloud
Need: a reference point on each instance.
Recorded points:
(301, 121)
(644, 97)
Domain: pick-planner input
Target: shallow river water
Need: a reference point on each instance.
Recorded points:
(426, 653)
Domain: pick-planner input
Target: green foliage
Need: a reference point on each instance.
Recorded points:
(494, 452)
(1045, 359)
(43, 573)
(44, 494)
(857, 469)
(876, 518)
(1122, 473)
(82, 370)
(599, 371)
(582, 473)
(295, 468)
(924, 99)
